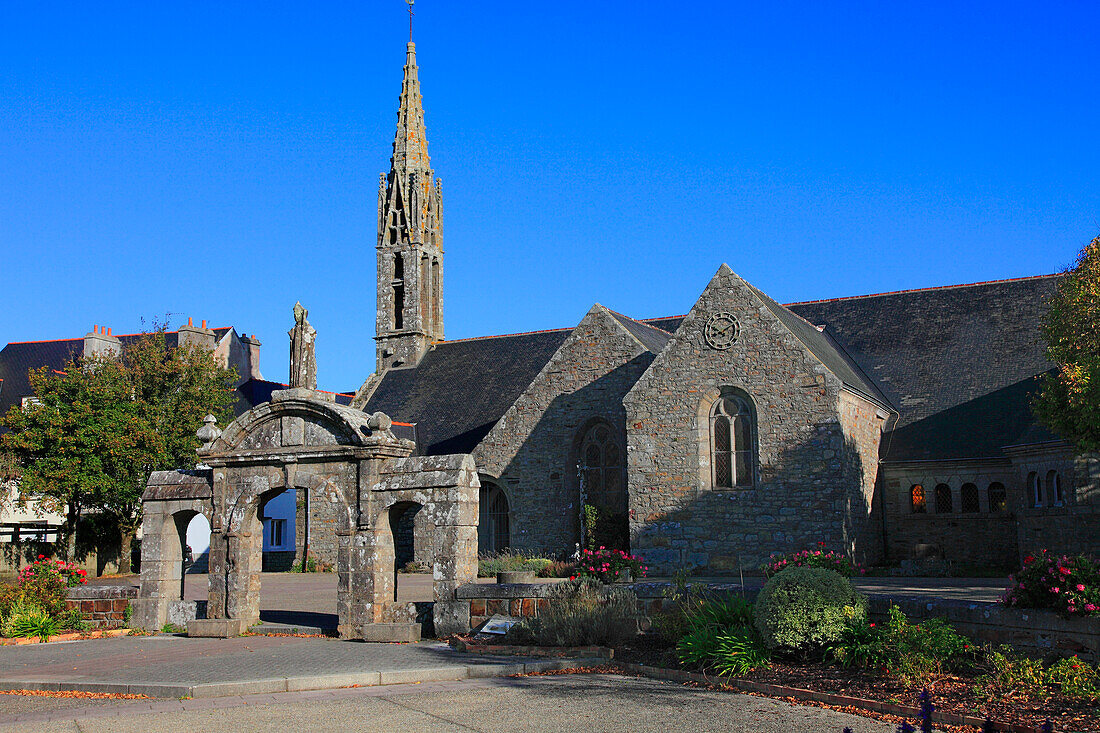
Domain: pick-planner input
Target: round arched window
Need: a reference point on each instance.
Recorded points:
(493, 519)
(732, 444)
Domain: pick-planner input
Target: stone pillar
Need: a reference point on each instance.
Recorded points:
(160, 569)
(455, 565)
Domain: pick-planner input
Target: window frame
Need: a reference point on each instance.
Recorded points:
(1034, 490)
(943, 501)
(918, 499)
(732, 422)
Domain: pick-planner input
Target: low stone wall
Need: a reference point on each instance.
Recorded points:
(1033, 632)
(103, 606)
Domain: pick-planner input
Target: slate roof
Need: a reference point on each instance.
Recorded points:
(827, 351)
(258, 391)
(948, 353)
(460, 389)
(652, 338)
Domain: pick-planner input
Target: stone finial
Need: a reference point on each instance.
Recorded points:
(208, 433)
(379, 422)
(303, 351)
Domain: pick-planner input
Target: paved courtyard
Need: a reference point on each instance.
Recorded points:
(561, 703)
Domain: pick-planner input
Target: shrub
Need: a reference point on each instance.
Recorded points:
(28, 619)
(69, 573)
(73, 620)
(607, 566)
(720, 636)
(1007, 673)
(1067, 584)
(819, 558)
(581, 612)
(908, 651)
(802, 609)
(489, 565)
(43, 583)
(558, 569)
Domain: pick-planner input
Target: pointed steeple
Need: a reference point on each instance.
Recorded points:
(410, 237)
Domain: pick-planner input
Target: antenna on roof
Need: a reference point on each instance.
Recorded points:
(410, 4)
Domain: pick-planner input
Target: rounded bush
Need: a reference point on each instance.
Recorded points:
(802, 608)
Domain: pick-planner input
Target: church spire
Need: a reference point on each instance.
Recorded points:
(410, 241)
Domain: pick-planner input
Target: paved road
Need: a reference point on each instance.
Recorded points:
(588, 703)
(180, 661)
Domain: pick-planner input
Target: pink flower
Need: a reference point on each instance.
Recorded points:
(1080, 586)
(1064, 571)
(1055, 589)
(1090, 607)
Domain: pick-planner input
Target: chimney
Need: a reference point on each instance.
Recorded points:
(198, 336)
(100, 342)
(252, 344)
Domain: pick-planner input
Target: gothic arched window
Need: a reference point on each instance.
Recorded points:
(493, 531)
(733, 442)
(601, 460)
(398, 291)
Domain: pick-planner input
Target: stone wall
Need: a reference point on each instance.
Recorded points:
(982, 538)
(862, 422)
(103, 606)
(532, 451)
(1072, 528)
(1032, 632)
(802, 489)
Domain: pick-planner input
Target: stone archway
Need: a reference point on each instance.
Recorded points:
(305, 441)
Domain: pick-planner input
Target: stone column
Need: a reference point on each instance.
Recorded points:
(160, 570)
(455, 565)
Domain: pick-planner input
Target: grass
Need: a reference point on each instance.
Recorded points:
(489, 565)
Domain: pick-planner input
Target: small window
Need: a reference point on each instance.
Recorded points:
(968, 498)
(998, 497)
(277, 532)
(1034, 490)
(916, 499)
(943, 499)
(1054, 489)
(493, 533)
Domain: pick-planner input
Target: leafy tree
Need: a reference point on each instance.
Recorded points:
(103, 424)
(1069, 403)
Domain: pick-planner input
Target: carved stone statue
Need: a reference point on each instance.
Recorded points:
(303, 351)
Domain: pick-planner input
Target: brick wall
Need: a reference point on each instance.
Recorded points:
(103, 606)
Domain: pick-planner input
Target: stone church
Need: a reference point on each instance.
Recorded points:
(893, 425)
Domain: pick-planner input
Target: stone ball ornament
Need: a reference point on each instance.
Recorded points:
(208, 433)
(721, 331)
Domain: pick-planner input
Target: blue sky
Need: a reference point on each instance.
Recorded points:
(211, 160)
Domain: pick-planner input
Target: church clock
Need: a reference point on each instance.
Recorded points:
(721, 331)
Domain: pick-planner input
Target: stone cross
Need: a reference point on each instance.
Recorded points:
(303, 351)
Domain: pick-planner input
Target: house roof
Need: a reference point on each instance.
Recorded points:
(651, 337)
(17, 358)
(460, 389)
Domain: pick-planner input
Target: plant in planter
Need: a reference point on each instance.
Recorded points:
(821, 557)
(1067, 584)
(609, 566)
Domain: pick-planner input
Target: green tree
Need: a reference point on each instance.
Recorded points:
(103, 424)
(1069, 403)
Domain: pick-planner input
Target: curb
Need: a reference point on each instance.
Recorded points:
(781, 691)
(71, 636)
(299, 684)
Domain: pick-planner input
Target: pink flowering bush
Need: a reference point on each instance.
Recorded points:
(607, 566)
(68, 572)
(42, 585)
(1067, 584)
(817, 558)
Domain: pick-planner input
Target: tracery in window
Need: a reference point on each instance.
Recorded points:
(733, 444)
(602, 468)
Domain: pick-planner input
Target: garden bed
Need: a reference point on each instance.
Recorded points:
(950, 693)
(67, 636)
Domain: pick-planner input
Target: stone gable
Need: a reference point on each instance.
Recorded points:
(804, 483)
(531, 451)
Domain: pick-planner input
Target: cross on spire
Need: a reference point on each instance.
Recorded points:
(410, 4)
